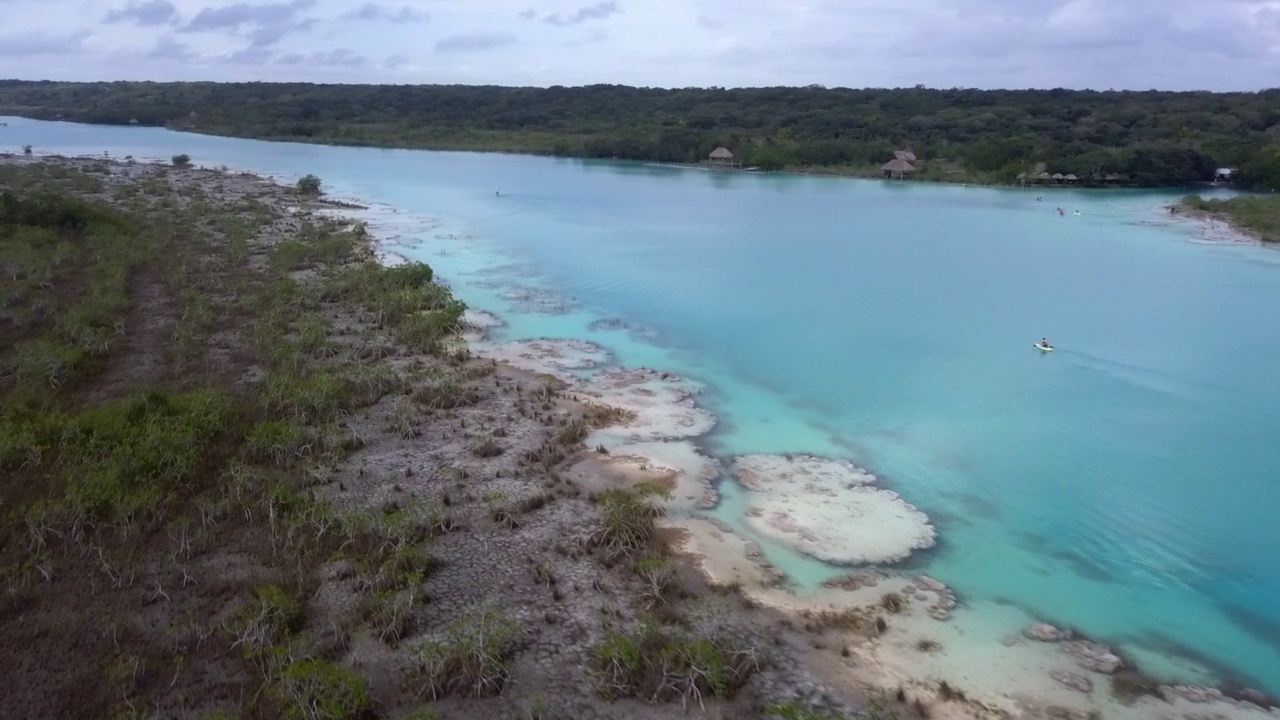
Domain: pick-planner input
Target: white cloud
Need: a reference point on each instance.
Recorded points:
(1168, 44)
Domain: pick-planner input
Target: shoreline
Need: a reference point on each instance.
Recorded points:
(728, 559)
(1232, 232)
(654, 163)
(890, 658)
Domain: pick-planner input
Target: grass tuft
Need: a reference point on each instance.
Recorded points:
(473, 659)
(663, 664)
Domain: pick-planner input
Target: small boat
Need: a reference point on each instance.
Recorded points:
(1043, 348)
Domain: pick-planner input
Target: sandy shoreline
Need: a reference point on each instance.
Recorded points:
(930, 647)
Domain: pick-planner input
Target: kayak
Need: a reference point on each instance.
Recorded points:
(1042, 348)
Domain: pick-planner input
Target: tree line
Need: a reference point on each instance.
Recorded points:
(1150, 138)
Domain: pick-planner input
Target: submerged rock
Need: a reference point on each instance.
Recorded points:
(826, 509)
(1191, 693)
(1066, 713)
(1045, 633)
(1093, 657)
(481, 319)
(857, 581)
(1075, 681)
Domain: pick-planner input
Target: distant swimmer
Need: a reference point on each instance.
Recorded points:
(497, 192)
(1061, 212)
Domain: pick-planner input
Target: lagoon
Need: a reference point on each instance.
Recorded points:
(1126, 485)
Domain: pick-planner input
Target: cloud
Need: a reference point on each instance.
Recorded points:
(599, 11)
(265, 24)
(341, 57)
(1137, 43)
(1165, 44)
(251, 55)
(25, 43)
(233, 17)
(167, 48)
(598, 35)
(271, 34)
(155, 12)
(374, 11)
(476, 41)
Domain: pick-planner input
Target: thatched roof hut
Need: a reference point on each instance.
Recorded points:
(721, 157)
(906, 155)
(897, 167)
(1070, 177)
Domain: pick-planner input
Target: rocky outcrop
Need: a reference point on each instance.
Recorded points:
(828, 509)
(1075, 681)
(1046, 633)
(857, 581)
(660, 406)
(1066, 713)
(941, 609)
(1093, 657)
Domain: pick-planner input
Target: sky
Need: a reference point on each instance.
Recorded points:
(1101, 44)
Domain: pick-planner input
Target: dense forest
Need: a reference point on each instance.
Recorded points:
(1145, 138)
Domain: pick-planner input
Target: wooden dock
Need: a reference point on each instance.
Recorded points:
(705, 166)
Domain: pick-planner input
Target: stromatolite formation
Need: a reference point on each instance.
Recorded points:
(829, 510)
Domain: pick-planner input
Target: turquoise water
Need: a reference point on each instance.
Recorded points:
(1126, 484)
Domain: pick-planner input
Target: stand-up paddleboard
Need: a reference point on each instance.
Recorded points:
(1042, 348)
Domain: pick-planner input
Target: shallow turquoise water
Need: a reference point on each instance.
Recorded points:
(1125, 484)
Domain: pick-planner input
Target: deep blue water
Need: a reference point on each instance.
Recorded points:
(1127, 484)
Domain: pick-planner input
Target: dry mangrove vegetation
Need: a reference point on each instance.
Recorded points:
(247, 471)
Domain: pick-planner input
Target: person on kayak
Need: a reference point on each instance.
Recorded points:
(1044, 342)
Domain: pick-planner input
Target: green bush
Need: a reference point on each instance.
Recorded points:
(279, 442)
(666, 664)
(795, 711)
(122, 459)
(267, 621)
(309, 185)
(472, 662)
(403, 298)
(627, 529)
(318, 690)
